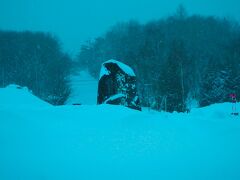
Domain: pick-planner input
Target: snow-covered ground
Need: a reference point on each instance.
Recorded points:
(84, 89)
(39, 141)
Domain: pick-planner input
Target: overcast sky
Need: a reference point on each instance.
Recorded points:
(75, 21)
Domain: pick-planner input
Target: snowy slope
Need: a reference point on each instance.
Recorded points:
(112, 142)
(84, 89)
(17, 96)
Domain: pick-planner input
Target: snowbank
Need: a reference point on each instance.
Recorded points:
(114, 142)
(16, 96)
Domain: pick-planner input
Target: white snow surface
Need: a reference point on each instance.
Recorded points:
(84, 89)
(103, 72)
(114, 143)
(114, 97)
(128, 70)
(17, 96)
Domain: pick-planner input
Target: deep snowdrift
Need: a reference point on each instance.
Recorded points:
(16, 96)
(112, 142)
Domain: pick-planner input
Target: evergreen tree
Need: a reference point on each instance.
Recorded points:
(172, 84)
(35, 60)
(213, 88)
(148, 48)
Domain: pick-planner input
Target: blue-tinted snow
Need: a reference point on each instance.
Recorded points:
(83, 89)
(103, 72)
(115, 143)
(114, 97)
(16, 96)
(121, 65)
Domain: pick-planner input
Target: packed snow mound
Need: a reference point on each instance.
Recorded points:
(113, 142)
(214, 111)
(83, 89)
(125, 68)
(17, 96)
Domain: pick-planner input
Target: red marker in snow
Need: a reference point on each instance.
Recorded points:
(234, 103)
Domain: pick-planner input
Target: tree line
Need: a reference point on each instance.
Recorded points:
(35, 60)
(181, 61)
